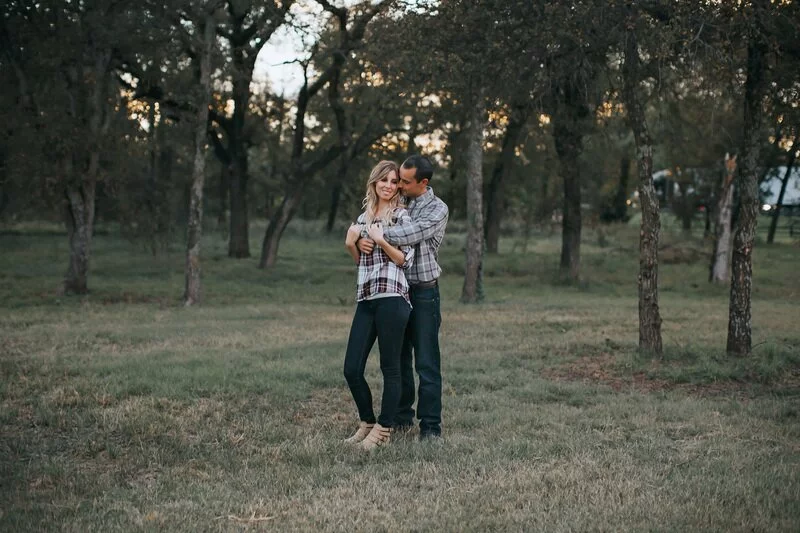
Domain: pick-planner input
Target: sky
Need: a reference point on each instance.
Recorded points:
(287, 45)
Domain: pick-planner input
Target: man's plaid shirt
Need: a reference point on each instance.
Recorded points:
(425, 233)
(377, 274)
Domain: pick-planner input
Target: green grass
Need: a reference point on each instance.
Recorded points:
(121, 410)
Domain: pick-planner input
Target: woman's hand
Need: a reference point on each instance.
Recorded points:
(376, 232)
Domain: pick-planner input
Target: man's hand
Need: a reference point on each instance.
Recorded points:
(365, 245)
(353, 233)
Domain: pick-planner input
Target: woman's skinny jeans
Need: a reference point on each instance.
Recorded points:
(384, 319)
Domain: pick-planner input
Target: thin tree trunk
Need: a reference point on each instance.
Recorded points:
(224, 188)
(5, 183)
(277, 224)
(500, 173)
(568, 146)
(721, 258)
(333, 209)
(739, 312)
(686, 207)
(194, 230)
(776, 213)
(153, 198)
(80, 226)
(239, 241)
(621, 198)
(649, 314)
(472, 292)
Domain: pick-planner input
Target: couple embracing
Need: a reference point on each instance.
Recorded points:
(396, 249)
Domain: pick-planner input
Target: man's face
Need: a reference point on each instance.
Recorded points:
(408, 183)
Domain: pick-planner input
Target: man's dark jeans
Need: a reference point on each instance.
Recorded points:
(386, 320)
(422, 336)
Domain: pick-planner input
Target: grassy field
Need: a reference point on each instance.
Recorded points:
(123, 411)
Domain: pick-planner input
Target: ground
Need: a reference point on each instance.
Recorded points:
(122, 410)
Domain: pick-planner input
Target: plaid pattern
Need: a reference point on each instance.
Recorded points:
(425, 233)
(379, 275)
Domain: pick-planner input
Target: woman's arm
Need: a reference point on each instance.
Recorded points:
(353, 233)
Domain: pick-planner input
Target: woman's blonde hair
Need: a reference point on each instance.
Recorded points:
(370, 203)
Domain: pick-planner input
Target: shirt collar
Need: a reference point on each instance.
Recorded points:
(422, 199)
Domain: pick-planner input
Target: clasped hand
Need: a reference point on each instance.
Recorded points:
(375, 232)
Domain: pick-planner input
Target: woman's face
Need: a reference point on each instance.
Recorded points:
(386, 187)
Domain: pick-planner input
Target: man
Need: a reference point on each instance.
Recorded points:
(425, 233)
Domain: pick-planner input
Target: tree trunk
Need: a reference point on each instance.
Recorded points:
(776, 213)
(472, 292)
(336, 192)
(239, 240)
(5, 183)
(621, 198)
(686, 208)
(568, 146)
(739, 312)
(500, 173)
(333, 209)
(224, 188)
(194, 230)
(80, 226)
(649, 314)
(277, 224)
(721, 258)
(91, 92)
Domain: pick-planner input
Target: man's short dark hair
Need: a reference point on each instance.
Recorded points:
(423, 166)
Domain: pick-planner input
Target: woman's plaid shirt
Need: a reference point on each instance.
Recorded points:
(377, 274)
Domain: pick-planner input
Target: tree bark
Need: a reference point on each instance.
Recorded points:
(239, 239)
(472, 291)
(336, 191)
(739, 312)
(224, 188)
(686, 208)
(194, 232)
(721, 258)
(277, 224)
(80, 226)
(776, 213)
(649, 314)
(568, 142)
(5, 196)
(333, 209)
(500, 173)
(90, 89)
(621, 197)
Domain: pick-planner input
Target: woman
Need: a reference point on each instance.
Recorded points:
(383, 306)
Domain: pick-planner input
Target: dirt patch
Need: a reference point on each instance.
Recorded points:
(681, 254)
(134, 298)
(602, 369)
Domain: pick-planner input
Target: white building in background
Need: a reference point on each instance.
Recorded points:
(770, 188)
